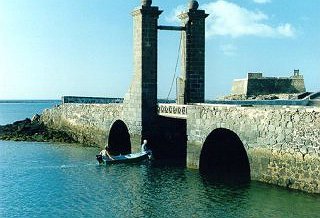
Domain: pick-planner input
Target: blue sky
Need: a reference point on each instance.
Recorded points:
(84, 47)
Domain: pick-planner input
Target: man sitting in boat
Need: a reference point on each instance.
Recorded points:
(105, 152)
(144, 148)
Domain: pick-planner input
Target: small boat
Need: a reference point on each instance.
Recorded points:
(128, 158)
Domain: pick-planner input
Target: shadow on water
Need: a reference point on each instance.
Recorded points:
(238, 184)
(171, 163)
(226, 180)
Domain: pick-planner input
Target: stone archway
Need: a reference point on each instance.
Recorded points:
(223, 156)
(119, 138)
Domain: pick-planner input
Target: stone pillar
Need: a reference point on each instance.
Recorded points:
(192, 81)
(140, 103)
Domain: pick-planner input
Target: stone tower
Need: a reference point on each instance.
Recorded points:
(140, 103)
(191, 84)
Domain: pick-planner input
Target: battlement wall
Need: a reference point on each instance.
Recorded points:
(256, 84)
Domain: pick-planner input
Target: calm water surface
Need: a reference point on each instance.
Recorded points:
(52, 180)
(11, 111)
(56, 180)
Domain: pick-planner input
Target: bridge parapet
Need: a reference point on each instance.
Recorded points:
(89, 100)
(173, 110)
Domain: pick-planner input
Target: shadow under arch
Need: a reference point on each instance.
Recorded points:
(119, 138)
(224, 158)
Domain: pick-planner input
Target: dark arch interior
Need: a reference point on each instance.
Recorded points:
(170, 140)
(223, 157)
(119, 139)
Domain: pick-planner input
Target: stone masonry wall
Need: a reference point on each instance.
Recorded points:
(193, 57)
(282, 143)
(275, 85)
(89, 123)
(140, 102)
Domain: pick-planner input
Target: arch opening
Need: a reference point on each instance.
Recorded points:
(170, 141)
(119, 139)
(223, 157)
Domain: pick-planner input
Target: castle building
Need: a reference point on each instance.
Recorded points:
(256, 84)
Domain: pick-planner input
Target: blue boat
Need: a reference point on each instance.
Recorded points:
(128, 158)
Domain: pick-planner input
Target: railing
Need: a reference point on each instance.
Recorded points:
(315, 95)
(181, 111)
(173, 110)
(90, 100)
(314, 99)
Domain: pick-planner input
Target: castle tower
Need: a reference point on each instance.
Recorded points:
(141, 101)
(191, 84)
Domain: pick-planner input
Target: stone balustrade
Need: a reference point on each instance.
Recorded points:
(173, 110)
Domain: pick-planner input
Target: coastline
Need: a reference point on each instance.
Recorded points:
(19, 101)
(33, 130)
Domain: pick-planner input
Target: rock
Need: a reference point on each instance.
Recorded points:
(35, 118)
(33, 130)
(289, 182)
(260, 97)
(303, 150)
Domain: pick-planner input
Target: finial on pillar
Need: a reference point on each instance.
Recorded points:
(146, 3)
(193, 5)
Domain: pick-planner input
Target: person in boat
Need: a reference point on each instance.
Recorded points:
(144, 147)
(105, 152)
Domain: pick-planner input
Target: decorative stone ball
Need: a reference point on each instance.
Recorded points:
(146, 2)
(193, 5)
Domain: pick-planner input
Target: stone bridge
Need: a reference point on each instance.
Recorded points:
(276, 143)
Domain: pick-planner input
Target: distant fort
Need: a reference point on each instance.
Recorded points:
(256, 84)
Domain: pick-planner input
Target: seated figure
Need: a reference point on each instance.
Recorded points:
(105, 153)
(144, 148)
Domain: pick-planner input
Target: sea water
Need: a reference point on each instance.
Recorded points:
(13, 110)
(59, 180)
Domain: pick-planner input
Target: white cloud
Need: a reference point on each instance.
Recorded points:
(228, 49)
(262, 1)
(229, 19)
(173, 17)
(286, 30)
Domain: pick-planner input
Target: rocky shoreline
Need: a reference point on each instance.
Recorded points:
(33, 130)
(261, 97)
